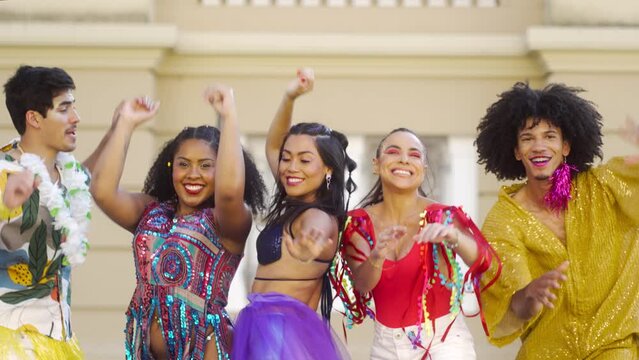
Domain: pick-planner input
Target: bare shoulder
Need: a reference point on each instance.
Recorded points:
(317, 218)
(426, 202)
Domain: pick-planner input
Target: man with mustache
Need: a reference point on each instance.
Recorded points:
(44, 215)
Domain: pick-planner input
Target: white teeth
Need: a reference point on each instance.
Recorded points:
(540, 160)
(294, 180)
(401, 172)
(193, 187)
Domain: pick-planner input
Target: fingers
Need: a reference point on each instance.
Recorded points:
(561, 269)
(222, 98)
(19, 188)
(302, 84)
(631, 131)
(394, 232)
(308, 245)
(146, 103)
(433, 232)
(306, 78)
(217, 93)
(541, 289)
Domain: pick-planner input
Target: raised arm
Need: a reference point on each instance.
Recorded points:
(89, 163)
(121, 206)
(233, 216)
(282, 120)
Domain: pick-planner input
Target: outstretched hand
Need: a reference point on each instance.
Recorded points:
(137, 111)
(302, 84)
(308, 245)
(222, 99)
(538, 293)
(437, 233)
(631, 131)
(20, 186)
(387, 241)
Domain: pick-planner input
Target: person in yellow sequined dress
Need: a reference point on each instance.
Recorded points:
(569, 236)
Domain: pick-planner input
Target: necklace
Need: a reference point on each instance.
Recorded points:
(71, 213)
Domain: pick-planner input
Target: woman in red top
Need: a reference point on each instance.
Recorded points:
(400, 249)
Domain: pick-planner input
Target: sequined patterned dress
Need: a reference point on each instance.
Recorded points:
(597, 308)
(183, 278)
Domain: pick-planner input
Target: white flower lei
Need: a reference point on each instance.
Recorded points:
(71, 216)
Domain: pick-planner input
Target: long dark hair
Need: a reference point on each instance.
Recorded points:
(578, 119)
(376, 195)
(159, 181)
(331, 146)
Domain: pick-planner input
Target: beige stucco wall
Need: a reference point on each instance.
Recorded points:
(434, 70)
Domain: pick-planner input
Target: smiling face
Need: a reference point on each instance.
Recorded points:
(541, 148)
(401, 162)
(194, 175)
(301, 169)
(58, 129)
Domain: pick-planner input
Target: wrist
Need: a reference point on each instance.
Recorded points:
(453, 242)
(123, 125)
(376, 263)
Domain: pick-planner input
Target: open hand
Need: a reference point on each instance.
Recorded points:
(308, 245)
(302, 84)
(631, 131)
(538, 293)
(137, 111)
(437, 233)
(387, 241)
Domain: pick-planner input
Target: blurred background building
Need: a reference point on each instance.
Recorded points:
(430, 65)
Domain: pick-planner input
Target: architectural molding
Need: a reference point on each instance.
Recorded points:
(72, 57)
(91, 35)
(85, 45)
(347, 55)
(582, 38)
(238, 43)
(583, 50)
(353, 66)
(78, 10)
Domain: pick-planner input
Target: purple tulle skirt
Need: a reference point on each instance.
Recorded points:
(275, 326)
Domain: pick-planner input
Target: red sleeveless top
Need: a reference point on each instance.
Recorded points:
(401, 282)
(405, 283)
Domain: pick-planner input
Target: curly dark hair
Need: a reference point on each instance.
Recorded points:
(376, 195)
(33, 88)
(331, 146)
(578, 119)
(159, 181)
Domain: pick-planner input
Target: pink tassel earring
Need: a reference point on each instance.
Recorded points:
(559, 194)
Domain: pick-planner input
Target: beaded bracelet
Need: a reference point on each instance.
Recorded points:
(454, 245)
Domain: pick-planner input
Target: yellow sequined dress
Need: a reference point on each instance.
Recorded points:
(596, 313)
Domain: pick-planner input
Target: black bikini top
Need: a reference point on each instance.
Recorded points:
(269, 245)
